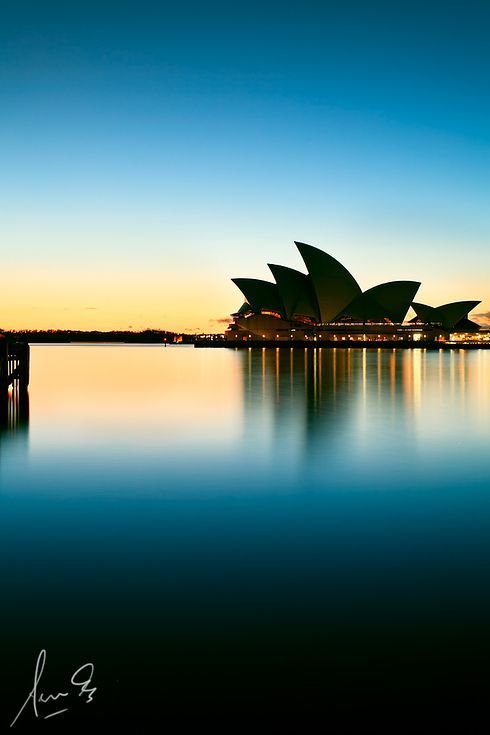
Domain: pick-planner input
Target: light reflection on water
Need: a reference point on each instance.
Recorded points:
(168, 494)
(322, 418)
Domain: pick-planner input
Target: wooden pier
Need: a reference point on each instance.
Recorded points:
(14, 366)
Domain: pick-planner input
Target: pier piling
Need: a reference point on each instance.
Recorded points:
(14, 366)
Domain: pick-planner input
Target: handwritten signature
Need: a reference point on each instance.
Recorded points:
(81, 679)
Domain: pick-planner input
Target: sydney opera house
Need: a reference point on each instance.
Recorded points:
(327, 304)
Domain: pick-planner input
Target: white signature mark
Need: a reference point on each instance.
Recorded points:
(81, 678)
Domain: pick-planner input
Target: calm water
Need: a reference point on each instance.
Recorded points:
(249, 530)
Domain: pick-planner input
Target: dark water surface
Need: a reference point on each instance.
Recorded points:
(227, 534)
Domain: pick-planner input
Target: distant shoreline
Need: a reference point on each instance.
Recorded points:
(70, 336)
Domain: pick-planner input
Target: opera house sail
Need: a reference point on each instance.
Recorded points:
(327, 304)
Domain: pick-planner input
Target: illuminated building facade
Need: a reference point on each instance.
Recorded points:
(327, 304)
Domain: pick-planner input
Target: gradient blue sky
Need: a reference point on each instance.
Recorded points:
(151, 152)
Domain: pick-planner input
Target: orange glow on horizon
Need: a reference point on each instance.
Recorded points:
(134, 299)
(111, 300)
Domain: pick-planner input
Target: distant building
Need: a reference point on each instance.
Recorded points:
(326, 303)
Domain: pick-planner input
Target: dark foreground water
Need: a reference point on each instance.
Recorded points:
(229, 535)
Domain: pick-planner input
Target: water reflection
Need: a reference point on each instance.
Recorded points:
(321, 390)
(311, 396)
(374, 411)
(217, 513)
(253, 421)
(14, 421)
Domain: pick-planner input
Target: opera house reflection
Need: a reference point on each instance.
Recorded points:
(311, 404)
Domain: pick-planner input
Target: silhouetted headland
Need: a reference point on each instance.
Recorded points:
(146, 336)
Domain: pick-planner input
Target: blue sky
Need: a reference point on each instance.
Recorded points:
(152, 152)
